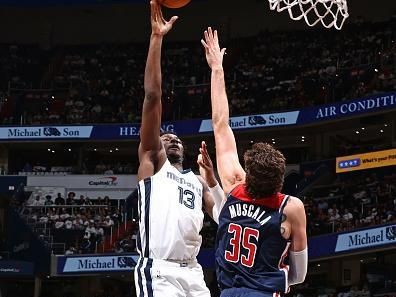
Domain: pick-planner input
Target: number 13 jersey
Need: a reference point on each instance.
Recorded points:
(250, 249)
(170, 215)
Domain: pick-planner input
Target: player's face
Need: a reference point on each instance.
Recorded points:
(173, 145)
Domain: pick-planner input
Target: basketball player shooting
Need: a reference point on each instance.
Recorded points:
(261, 239)
(170, 198)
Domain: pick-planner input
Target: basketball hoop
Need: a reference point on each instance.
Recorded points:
(331, 13)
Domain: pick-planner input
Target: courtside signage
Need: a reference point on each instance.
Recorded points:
(366, 161)
(309, 115)
(366, 238)
(12, 268)
(95, 264)
(348, 108)
(345, 243)
(48, 132)
(256, 121)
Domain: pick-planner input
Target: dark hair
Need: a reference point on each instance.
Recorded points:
(265, 170)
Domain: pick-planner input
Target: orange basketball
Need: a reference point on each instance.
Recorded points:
(174, 3)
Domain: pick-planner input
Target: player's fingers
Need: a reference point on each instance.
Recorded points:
(155, 11)
(223, 51)
(215, 36)
(206, 34)
(199, 159)
(152, 9)
(159, 11)
(210, 36)
(173, 20)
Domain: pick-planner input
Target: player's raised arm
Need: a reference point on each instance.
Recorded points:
(150, 144)
(230, 170)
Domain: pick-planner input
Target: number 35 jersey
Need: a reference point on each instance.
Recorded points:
(250, 249)
(170, 214)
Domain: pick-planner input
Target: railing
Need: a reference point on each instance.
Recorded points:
(46, 232)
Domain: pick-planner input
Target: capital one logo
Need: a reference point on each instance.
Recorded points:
(104, 181)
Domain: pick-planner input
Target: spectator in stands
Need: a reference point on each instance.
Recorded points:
(88, 201)
(99, 233)
(81, 201)
(70, 198)
(48, 200)
(59, 224)
(78, 223)
(69, 223)
(37, 201)
(108, 222)
(323, 205)
(85, 245)
(106, 200)
(333, 211)
(59, 200)
(70, 251)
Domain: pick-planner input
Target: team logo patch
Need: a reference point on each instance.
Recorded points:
(51, 131)
(257, 120)
(124, 262)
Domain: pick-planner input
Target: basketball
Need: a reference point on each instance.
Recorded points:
(174, 3)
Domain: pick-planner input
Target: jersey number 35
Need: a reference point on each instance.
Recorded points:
(242, 238)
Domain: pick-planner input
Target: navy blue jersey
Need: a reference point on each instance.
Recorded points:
(250, 250)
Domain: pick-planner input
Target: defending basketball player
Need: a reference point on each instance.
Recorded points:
(170, 199)
(261, 239)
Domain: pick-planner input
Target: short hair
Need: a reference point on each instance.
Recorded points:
(265, 170)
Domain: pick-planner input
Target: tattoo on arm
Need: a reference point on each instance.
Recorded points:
(283, 219)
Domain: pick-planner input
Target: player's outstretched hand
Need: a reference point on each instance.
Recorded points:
(206, 165)
(214, 55)
(159, 26)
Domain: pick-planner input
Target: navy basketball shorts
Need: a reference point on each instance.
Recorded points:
(246, 292)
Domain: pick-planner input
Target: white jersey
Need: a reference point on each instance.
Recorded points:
(170, 215)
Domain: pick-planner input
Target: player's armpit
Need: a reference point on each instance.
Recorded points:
(150, 162)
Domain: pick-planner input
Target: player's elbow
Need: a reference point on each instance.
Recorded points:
(298, 279)
(219, 121)
(152, 95)
(298, 266)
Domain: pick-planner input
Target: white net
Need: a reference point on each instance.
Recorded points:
(331, 13)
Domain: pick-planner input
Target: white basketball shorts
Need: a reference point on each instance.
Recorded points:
(160, 278)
